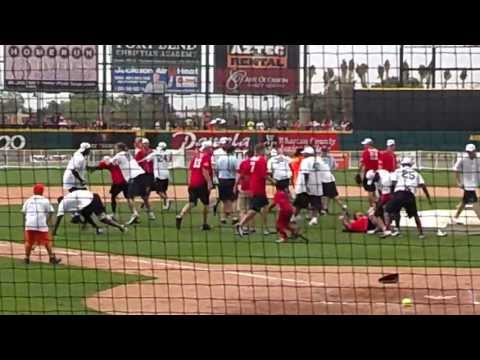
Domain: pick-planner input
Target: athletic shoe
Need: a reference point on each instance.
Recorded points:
(235, 221)
(386, 234)
(168, 205)
(344, 207)
(26, 261)
(151, 216)
(370, 232)
(421, 237)
(313, 222)
(281, 241)
(76, 219)
(458, 221)
(133, 220)
(123, 229)
(179, 222)
(206, 227)
(395, 233)
(55, 261)
(268, 232)
(440, 233)
(100, 231)
(239, 230)
(223, 222)
(323, 212)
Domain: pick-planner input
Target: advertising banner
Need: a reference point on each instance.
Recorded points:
(156, 69)
(257, 69)
(51, 68)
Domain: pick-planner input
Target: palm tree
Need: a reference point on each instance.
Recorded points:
(312, 71)
(381, 73)
(406, 71)
(344, 71)
(362, 71)
(463, 77)
(429, 74)
(447, 75)
(422, 72)
(387, 69)
(351, 71)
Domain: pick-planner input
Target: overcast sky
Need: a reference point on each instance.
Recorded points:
(323, 57)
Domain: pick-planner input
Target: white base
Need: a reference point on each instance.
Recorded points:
(433, 220)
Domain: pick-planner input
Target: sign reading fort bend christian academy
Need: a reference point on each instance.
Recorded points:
(257, 69)
(156, 69)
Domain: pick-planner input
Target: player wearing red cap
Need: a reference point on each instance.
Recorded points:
(285, 214)
(38, 212)
(368, 161)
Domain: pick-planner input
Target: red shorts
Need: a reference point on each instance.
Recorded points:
(37, 238)
(385, 198)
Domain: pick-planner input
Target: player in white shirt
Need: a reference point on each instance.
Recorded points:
(136, 179)
(279, 169)
(218, 150)
(74, 175)
(161, 159)
(309, 187)
(467, 171)
(86, 203)
(226, 170)
(330, 191)
(405, 181)
(38, 212)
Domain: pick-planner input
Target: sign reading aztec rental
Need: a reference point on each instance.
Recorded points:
(257, 69)
(156, 69)
(289, 141)
(51, 67)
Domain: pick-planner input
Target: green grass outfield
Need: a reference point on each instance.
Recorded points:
(329, 245)
(53, 177)
(40, 289)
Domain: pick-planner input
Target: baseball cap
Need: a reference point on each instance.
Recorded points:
(308, 151)
(274, 152)
(107, 159)
(407, 161)
(221, 121)
(367, 141)
(161, 146)
(38, 189)
(145, 141)
(471, 148)
(85, 146)
(390, 142)
(206, 144)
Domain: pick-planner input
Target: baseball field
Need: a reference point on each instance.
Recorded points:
(155, 269)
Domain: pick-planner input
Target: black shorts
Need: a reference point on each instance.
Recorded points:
(201, 193)
(330, 190)
(369, 188)
(149, 181)
(138, 186)
(470, 197)
(76, 189)
(161, 185)
(95, 207)
(304, 201)
(116, 189)
(225, 189)
(405, 200)
(257, 203)
(283, 184)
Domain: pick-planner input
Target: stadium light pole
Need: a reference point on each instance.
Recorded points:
(402, 59)
(207, 78)
(434, 66)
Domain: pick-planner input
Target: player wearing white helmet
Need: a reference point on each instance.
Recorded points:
(161, 159)
(405, 182)
(467, 171)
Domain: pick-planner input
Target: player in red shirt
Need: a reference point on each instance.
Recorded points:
(141, 152)
(200, 184)
(242, 187)
(388, 159)
(258, 189)
(285, 214)
(360, 223)
(119, 185)
(369, 161)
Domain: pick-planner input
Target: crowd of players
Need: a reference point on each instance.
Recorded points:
(218, 176)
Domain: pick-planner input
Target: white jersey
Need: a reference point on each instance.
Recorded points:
(407, 180)
(128, 166)
(227, 166)
(75, 202)
(385, 183)
(279, 167)
(36, 210)
(216, 155)
(78, 162)
(330, 161)
(316, 170)
(161, 159)
(470, 171)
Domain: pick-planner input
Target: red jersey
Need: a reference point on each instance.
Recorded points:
(115, 172)
(145, 165)
(244, 172)
(199, 162)
(258, 170)
(370, 159)
(388, 161)
(283, 202)
(360, 225)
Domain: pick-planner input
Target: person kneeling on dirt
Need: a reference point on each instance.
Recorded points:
(38, 212)
(86, 204)
(360, 223)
